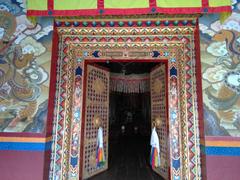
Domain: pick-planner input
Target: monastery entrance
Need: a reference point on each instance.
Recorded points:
(83, 85)
(126, 100)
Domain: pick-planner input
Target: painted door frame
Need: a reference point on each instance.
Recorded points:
(175, 38)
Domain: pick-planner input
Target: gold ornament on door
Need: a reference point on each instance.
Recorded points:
(98, 86)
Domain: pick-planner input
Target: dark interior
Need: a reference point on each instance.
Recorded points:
(129, 67)
(130, 113)
(129, 147)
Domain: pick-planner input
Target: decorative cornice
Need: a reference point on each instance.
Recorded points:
(128, 21)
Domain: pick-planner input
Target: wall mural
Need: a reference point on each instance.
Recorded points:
(220, 56)
(25, 53)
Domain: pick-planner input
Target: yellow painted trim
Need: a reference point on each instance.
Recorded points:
(222, 143)
(25, 139)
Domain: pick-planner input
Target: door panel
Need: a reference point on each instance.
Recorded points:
(97, 106)
(159, 114)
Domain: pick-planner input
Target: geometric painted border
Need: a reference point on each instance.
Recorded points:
(175, 43)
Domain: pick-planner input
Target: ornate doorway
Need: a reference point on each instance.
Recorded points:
(97, 104)
(168, 38)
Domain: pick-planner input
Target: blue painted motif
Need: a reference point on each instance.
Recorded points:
(176, 163)
(155, 54)
(78, 71)
(25, 146)
(173, 71)
(74, 161)
(222, 151)
(96, 54)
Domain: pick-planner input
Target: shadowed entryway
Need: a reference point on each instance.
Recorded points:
(129, 122)
(129, 160)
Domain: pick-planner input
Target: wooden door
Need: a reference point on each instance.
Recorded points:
(96, 106)
(158, 78)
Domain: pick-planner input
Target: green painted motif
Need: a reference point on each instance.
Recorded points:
(74, 4)
(126, 4)
(37, 5)
(179, 3)
(214, 3)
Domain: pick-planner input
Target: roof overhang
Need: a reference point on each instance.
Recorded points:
(124, 7)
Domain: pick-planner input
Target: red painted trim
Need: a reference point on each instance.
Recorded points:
(199, 81)
(50, 5)
(51, 99)
(219, 9)
(205, 3)
(199, 95)
(221, 138)
(106, 12)
(22, 134)
(153, 4)
(194, 10)
(53, 79)
(167, 71)
(37, 13)
(130, 11)
(100, 4)
(83, 119)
